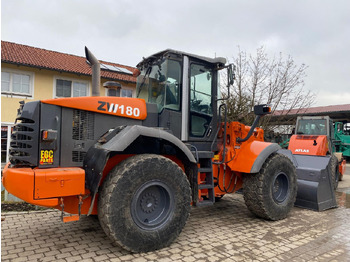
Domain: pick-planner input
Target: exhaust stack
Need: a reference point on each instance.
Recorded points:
(95, 67)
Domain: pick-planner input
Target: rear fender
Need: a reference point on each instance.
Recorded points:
(119, 140)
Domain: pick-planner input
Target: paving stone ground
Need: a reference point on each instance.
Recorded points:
(226, 231)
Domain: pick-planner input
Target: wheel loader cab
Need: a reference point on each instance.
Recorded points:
(317, 126)
(312, 127)
(185, 89)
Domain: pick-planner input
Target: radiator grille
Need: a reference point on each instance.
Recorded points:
(83, 125)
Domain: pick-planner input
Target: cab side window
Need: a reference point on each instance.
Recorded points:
(165, 86)
(172, 85)
(200, 99)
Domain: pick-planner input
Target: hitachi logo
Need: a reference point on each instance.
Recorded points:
(301, 151)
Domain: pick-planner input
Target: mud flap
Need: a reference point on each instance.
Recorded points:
(315, 190)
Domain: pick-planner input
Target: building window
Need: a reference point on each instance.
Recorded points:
(69, 88)
(126, 93)
(16, 83)
(113, 92)
(120, 92)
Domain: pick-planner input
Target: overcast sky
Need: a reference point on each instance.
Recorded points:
(315, 32)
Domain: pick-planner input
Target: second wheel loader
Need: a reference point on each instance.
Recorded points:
(319, 167)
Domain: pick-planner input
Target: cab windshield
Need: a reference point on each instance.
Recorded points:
(312, 127)
(160, 84)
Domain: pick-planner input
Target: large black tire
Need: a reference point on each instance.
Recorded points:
(144, 203)
(334, 171)
(271, 193)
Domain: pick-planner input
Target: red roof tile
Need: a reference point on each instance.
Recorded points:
(314, 110)
(40, 58)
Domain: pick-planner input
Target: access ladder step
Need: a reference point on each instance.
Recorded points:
(205, 170)
(205, 186)
(205, 179)
(205, 203)
(205, 154)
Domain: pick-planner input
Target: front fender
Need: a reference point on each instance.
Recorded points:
(250, 157)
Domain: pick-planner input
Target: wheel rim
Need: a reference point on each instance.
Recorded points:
(280, 187)
(152, 205)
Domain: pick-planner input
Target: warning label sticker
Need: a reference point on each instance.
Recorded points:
(46, 157)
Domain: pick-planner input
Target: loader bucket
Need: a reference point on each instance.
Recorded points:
(315, 189)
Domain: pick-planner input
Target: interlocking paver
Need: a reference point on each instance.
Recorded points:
(226, 231)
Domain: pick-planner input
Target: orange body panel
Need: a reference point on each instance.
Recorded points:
(245, 155)
(239, 157)
(308, 145)
(118, 106)
(20, 183)
(46, 187)
(59, 182)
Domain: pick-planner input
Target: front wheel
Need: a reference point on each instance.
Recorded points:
(271, 193)
(334, 171)
(144, 203)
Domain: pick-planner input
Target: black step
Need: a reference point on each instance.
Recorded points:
(205, 203)
(205, 154)
(205, 169)
(205, 186)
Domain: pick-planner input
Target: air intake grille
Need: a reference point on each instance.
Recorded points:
(78, 156)
(20, 144)
(83, 125)
(23, 149)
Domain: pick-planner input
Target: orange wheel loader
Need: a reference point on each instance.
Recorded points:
(140, 163)
(318, 167)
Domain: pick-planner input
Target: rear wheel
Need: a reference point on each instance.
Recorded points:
(271, 193)
(144, 203)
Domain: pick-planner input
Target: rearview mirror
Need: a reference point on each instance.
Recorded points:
(230, 74)
(230, 77)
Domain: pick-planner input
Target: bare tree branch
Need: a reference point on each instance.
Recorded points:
(277, 81)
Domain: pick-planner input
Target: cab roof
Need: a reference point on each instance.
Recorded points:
(219, 61)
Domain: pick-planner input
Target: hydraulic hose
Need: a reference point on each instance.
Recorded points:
(255, 123)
